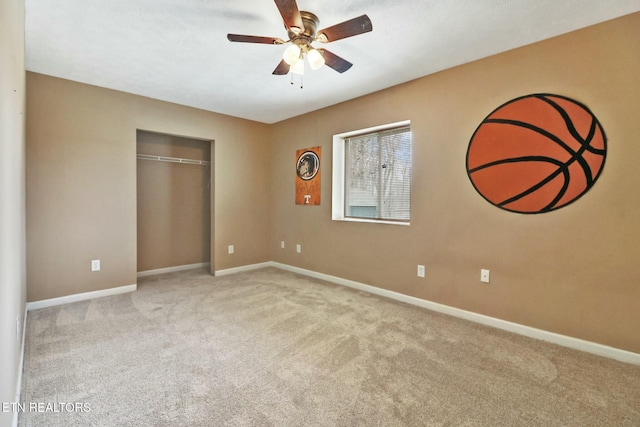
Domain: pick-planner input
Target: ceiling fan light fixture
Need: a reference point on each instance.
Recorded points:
(298, 68)
(302, 31)
(291, 54)
(315, 58)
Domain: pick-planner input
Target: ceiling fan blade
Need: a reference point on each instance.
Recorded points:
(282, 69)
(352, 27)
(332, 60)
(291, 15)
(253, 39)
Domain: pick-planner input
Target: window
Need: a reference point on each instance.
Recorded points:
(372, 175)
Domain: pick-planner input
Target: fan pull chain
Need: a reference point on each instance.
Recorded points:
(301, 81)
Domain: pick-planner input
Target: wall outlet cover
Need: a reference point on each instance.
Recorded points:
(484, 275)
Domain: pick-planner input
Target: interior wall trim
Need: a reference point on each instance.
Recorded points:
(14, 421)
(173, 269)
(36, 305)
(552, 337)
(244, 268)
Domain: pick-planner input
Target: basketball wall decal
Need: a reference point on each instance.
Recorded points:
(536, 153)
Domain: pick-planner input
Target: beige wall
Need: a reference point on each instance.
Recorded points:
(173, 202)
(12, 198)
(81, 183)
(573, 271)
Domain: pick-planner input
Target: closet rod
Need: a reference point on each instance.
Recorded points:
(171, 159)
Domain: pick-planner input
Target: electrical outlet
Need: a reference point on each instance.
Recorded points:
(231, 249)
(95, 265)
(298, 248)
(420, 270)
(484, 276)
(282, 244)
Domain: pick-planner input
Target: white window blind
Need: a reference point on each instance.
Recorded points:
(378, 175)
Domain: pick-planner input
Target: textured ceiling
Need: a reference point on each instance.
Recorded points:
(177, 51)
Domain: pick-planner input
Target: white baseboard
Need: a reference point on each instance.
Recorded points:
(173, 269)
(35, 305)
(244, 268)
(563, 340)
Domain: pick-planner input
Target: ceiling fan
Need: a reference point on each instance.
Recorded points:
(302, 30)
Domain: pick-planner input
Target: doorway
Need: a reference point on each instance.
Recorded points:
(173, 202)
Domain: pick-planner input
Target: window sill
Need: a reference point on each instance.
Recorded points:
(372, 221)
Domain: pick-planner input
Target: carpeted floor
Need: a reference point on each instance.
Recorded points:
(271, 348)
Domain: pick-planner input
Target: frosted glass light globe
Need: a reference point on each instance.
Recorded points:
(292, 54)
(315, 58)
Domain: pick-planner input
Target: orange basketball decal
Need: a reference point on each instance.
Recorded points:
(536, 153)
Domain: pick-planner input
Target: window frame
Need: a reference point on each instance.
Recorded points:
(338, 202)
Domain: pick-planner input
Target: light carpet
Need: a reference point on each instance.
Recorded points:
(273, 348)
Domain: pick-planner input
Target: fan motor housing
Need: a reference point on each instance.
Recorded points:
(310, 22)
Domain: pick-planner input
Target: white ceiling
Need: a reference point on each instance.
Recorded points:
(177, 50)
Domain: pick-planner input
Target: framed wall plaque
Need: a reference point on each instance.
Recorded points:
(308, 176)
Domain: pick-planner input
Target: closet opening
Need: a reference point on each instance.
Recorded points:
(174, 203)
